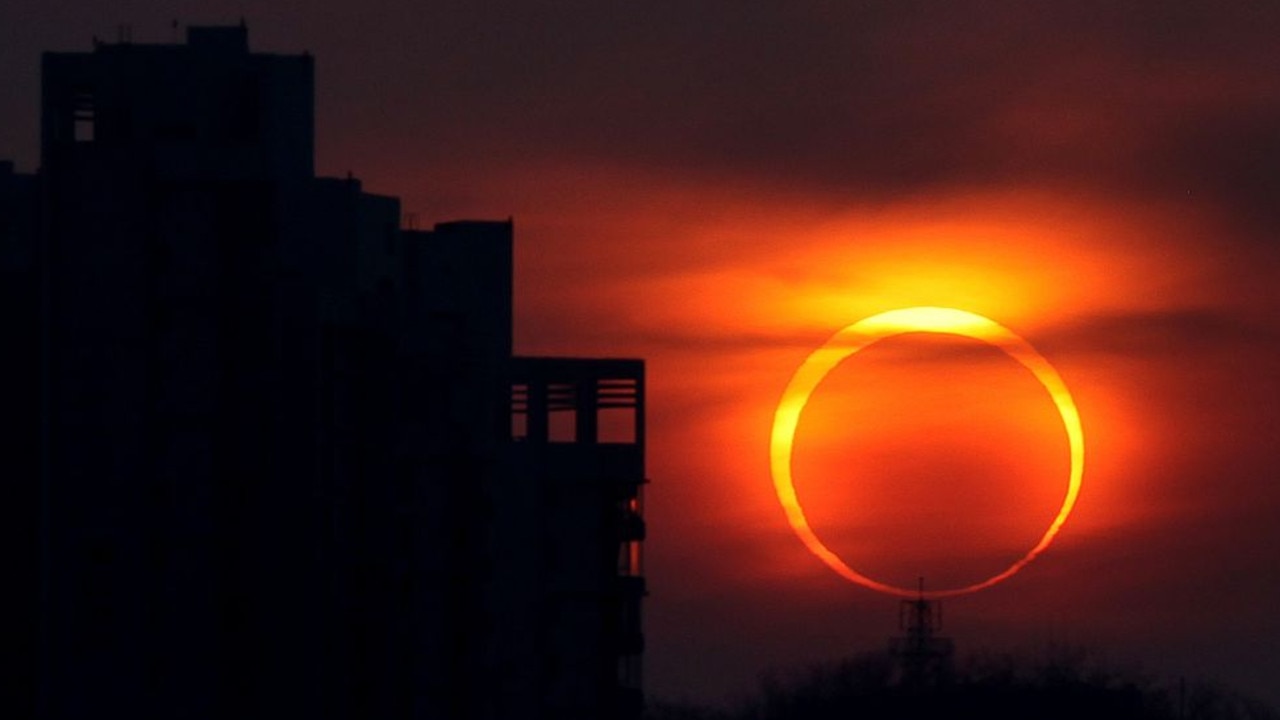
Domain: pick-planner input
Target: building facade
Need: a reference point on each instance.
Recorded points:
(286, 463)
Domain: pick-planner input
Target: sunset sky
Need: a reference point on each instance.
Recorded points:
(718, 187)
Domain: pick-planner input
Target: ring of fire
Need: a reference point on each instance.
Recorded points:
(869, 330)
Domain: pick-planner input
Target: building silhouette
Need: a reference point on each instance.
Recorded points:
(272, 453)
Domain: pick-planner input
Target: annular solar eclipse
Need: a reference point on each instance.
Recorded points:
(868, 331)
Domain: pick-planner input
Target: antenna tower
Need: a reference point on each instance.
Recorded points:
(923, 655)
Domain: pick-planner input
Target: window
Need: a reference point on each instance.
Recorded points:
(83, 117)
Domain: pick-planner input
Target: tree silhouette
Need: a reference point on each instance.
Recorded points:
(1056, 683)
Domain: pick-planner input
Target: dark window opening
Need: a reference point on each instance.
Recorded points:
(83, 117)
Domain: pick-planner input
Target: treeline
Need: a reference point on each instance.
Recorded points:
(1057, 684)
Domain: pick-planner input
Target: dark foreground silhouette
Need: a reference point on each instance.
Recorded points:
(1056, 684)
(267, 452)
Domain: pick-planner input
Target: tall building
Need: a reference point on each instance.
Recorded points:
(19, 437)
(286, 464)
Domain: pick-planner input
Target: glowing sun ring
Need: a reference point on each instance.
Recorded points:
(896, 322)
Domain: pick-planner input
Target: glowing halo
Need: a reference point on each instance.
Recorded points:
(869, 330)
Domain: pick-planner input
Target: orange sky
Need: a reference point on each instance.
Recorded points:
(949, 468)
(725, 290)
(717, 187)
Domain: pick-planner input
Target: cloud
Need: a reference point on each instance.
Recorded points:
(1177, 332)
